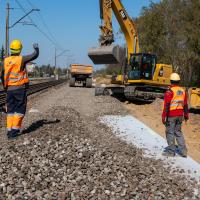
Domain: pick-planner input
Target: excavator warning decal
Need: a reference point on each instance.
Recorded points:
(123, 14)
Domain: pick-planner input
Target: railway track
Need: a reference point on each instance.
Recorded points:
(34, 88)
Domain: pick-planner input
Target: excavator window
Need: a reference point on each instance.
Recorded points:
(142, 66)
(147, 66)
(134, 70)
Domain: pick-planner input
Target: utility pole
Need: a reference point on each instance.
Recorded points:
(55, 70)
(61, 54)
(7, 30)
(8, 25)
(55, 58)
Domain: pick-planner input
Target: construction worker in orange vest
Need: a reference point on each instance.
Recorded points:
(15, 81)
(175, 109)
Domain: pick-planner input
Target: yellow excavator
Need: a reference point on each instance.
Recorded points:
(141, 77)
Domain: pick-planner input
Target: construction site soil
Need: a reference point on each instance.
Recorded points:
(150, 114)
(66, 153)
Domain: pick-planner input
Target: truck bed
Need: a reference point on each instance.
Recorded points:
(81, 69)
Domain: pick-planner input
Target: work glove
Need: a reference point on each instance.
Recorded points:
(35, 45)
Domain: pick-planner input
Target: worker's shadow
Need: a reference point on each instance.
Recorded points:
(38, 124)
(122, 98)
(195, 111)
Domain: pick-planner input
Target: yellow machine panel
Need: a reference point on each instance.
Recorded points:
(118, 79)
(162, 74)
(194, 98)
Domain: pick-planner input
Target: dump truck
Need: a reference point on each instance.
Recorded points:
(81, 74)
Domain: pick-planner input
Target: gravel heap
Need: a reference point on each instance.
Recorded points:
(60, 157)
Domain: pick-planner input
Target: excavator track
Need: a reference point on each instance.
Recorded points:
(143, 93)
(146, 93)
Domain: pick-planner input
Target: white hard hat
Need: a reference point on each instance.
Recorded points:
(175, 77)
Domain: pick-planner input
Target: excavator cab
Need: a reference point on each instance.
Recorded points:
(142, 66)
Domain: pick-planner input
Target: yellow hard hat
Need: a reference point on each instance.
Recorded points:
(175, 77)
(16, 46)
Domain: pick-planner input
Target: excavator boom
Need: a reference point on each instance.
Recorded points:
(108, 53)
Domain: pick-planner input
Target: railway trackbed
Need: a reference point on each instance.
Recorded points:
(33, 88)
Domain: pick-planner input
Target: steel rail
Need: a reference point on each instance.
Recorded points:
(34, 88)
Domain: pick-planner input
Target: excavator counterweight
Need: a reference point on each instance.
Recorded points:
(105, 54)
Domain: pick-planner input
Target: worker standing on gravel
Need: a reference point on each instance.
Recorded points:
(174, 110)
(15, 81)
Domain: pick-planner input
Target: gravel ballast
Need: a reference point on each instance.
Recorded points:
(66, 153)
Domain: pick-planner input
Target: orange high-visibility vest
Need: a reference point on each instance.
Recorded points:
(177, 101)
(13, 76)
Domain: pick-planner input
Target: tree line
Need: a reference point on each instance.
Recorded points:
(171, 30)
(47, 71)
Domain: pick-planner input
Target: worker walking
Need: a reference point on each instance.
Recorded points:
(175, 109)
(15, 81)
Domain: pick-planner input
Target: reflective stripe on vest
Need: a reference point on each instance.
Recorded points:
(177, 101)
(13, 76)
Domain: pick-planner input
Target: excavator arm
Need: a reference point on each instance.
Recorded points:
(107, 36)
(127, 26)
(106, 53)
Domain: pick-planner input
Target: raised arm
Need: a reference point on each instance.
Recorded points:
(31, 57)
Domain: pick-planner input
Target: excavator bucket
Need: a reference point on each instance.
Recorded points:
(105, 54)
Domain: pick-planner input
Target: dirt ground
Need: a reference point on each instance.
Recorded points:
(102, 80)
(150, 114)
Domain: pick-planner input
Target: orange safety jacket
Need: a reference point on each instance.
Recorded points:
(13, 76)
(177, 101)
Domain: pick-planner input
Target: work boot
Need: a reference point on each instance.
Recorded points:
(168, 154)
(12, 134)
(9, 134)
(183, 154)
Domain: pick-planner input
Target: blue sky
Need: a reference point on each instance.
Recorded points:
(73, 24)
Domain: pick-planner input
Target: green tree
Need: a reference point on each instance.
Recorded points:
(171, 30)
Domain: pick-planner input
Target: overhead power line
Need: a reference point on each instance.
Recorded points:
(41, 18)
(39, 29)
